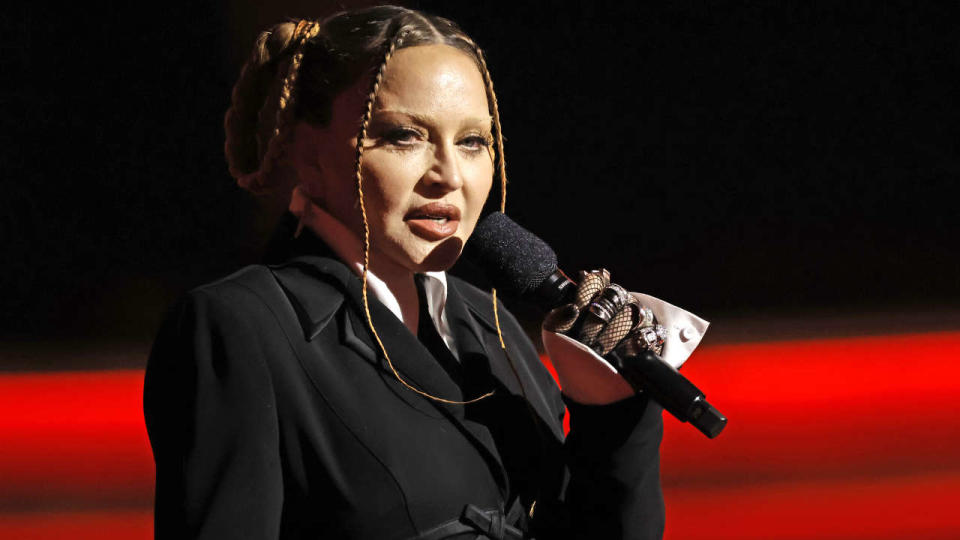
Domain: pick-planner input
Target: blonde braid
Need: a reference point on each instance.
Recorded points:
(367, 115)
(498, 131)
(501, 172)
(257, 180)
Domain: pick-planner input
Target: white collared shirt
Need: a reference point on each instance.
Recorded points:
(349, 247)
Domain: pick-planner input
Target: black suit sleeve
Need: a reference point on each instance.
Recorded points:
(613, 456)
(211, 417)
(611, 461)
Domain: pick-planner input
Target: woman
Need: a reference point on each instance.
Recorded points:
(350, 389)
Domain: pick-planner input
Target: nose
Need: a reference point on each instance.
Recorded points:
(444, 173)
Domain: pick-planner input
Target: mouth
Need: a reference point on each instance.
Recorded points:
(434, 221)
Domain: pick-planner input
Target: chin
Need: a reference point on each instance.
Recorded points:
(441, 256)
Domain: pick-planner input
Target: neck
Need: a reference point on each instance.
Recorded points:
(401, 283)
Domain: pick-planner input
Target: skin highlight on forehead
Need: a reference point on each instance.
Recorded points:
(446, 90)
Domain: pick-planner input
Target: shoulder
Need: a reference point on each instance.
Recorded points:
(232, 302)
(233, 330)
(244, 285)
(298, 295)
(260, 288)
(250, 305)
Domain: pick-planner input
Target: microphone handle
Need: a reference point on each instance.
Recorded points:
(646, 371)
(665, 385)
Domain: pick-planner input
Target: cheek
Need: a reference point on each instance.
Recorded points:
(389, 180)
(478, 183)
(476, 189)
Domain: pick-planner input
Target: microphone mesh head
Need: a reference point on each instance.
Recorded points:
(513, 258)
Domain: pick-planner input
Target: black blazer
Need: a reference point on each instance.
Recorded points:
(272, 414)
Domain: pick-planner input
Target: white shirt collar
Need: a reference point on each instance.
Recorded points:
(349, 248)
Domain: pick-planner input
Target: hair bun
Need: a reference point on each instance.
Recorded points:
(274, 42)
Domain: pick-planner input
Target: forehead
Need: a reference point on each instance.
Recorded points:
(433, 80)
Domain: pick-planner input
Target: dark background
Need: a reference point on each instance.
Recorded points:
(740, 160)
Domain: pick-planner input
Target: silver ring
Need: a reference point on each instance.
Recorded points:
(654, 336)
(650, 338)
(609, 302)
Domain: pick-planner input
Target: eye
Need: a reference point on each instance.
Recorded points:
(402, 136)
(476, 143)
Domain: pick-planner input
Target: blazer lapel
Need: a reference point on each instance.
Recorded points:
(473, 353)
(478, 318)
(411, 359)
(320, 288)
(417, 366)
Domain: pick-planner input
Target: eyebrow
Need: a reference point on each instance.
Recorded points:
(422, 119)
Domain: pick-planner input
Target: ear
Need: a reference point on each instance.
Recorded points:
(307, 145)
(306, 148)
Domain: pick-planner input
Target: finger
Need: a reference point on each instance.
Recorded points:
(608, 302)
(589, 330)
(618, 328)
(601, 311)
(561, 319)
(591, 283)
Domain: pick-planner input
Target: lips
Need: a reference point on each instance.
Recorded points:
(434, 221)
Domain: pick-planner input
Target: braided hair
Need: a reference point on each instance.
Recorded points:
(295, 72)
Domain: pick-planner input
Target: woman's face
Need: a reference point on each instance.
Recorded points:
(427, 160)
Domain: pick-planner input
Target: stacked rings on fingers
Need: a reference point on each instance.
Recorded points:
(610, 301)
(605, 316)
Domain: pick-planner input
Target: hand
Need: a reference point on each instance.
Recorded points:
(603, 316)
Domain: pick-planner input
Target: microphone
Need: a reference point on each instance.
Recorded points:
(519, 263)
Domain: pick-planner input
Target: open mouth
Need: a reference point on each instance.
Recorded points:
(434, 221)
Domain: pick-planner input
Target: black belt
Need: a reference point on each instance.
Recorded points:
(490, 523)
